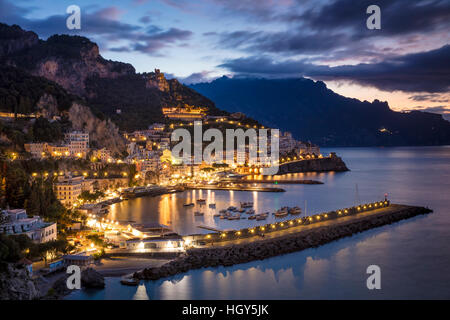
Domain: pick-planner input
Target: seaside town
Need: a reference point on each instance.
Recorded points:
(258, 166)
(83, 196)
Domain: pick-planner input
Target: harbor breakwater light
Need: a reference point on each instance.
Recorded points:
(279, 242)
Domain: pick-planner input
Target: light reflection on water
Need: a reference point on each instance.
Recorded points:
(414, 255)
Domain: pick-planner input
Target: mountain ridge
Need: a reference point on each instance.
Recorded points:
(311, 111)
(75, 63)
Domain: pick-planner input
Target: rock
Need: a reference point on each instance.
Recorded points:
(92, 279)
(16, 283)
(314, 165)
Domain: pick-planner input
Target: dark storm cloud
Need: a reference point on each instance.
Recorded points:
(334, 27)
(102, 25)
(253, 9)
(156, 40)
(425, 71)
(397, 16)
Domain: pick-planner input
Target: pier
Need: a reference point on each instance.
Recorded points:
(234, 188)
(284, 237)
(275, 181)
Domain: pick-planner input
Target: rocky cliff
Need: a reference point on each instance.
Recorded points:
(333, 163)
(16, 283)
(103, 133)
(67, 60)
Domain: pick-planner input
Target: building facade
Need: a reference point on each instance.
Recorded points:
(67, 189)
(18, 222)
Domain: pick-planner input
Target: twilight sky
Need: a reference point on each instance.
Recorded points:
(407, 62)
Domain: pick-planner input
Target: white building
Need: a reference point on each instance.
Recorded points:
(67, 189)
(18, 222)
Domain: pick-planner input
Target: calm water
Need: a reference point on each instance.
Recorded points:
(414, 255)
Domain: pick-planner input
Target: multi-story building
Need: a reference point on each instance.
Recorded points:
(287, 143)
(58, 150)
(18, 222)
(78, 143)
(68, 188)
(104, 155)
(186, 113)
(151, 164)
(37, 150)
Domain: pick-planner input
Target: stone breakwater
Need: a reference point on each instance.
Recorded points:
(262, 249)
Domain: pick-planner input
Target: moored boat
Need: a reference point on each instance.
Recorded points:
(246, 204)
(281, 213)
(295, 210)
(129, 281)
(191, 204)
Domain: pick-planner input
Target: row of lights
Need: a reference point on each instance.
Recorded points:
(310, 219)
(217, 120)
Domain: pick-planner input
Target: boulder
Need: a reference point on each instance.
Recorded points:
(92, 279)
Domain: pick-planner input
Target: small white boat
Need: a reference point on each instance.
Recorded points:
(231, 208)
(251, 217)
(251, 211)
(261, 217)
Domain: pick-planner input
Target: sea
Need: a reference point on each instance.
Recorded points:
(413, 255)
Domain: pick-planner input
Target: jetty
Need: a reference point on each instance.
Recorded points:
(282, 181)
(234, 188)
(245, 245)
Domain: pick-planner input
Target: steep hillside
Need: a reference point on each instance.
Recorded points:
(75, 63)
(22, 93)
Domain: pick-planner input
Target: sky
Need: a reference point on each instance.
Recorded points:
(406, 62)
